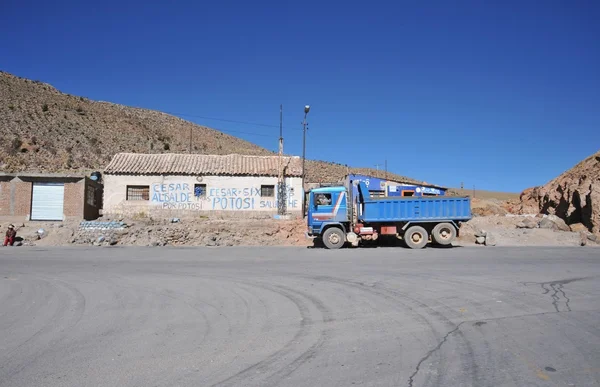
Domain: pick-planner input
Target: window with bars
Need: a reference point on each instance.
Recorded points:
(138, 192)
(200, 190)
(267, 191)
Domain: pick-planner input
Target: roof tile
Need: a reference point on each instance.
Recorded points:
(195, 164)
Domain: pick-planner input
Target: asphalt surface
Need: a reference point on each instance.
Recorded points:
(299, 317)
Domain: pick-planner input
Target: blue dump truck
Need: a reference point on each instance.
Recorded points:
(337, 218)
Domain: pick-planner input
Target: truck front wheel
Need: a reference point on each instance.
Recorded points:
(443, 234)
(416, 237)
(333, 238)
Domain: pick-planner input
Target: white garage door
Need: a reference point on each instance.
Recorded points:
(47, 201)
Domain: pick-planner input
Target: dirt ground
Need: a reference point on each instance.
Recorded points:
(205, 232)
(265, 232)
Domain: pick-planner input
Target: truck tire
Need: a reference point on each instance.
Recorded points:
(416, 237)
(334, 238)
(443, 234)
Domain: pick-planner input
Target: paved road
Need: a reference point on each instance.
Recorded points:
(299, 317)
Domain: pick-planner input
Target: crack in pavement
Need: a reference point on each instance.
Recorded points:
(445, 338)
(558, 289)
(428, 354)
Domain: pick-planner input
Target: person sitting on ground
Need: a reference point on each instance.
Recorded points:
(11, 234)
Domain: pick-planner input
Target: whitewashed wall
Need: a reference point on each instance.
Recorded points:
(174, 195)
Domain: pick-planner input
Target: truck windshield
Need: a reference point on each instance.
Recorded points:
(323, 199)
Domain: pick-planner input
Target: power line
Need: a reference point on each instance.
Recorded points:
(227, 120)
(227, 131)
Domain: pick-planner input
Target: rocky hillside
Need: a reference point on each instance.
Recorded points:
(45, 130)
(573, 196)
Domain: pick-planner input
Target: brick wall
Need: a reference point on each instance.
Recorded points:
(16, 193)
(22, 197)
(74, 199)
(5, 198)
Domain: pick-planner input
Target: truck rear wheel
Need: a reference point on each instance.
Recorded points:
(333, 238)
(443, 234)
(416, 237)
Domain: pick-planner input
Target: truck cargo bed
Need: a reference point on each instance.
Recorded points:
(412, 209)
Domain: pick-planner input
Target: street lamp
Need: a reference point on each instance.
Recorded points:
(306, 110)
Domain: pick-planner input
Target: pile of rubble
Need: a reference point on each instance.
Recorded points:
(528, 230)
(205, 232)
(483, 237)
(553, 222)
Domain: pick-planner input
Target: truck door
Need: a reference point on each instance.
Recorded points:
(329, 207)
(317, 214)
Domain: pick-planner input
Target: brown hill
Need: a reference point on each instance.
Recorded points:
(483, 194)
(45, 130)
(573, 196)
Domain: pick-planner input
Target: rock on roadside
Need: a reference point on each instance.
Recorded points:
(527, 223)
(490, 240)
(583, 238)
(578, 227)
(553, 222)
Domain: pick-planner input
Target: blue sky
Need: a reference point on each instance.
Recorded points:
(500, 95)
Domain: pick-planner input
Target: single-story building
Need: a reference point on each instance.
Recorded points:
(55, 197)
(382, 187)
(193, 184)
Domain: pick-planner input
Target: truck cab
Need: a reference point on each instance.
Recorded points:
(327, 207)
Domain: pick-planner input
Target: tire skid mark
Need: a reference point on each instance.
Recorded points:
(174, 296)
(306, 325)
(465, 282)
(247, 308)
(324, 335)
(52, 323)
(490, 371)
(467, 358)
(16, 290)
(180, 297)
(395, 302)
(265, 327)
(267, 324)
(477, 378)
(186, 299)
(400, 297)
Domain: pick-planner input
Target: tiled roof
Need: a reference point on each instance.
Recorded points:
(195, 164)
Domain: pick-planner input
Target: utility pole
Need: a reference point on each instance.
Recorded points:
(386, 174)
(280, 130)
(377, 174)
(306, 110)
(281, 188)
